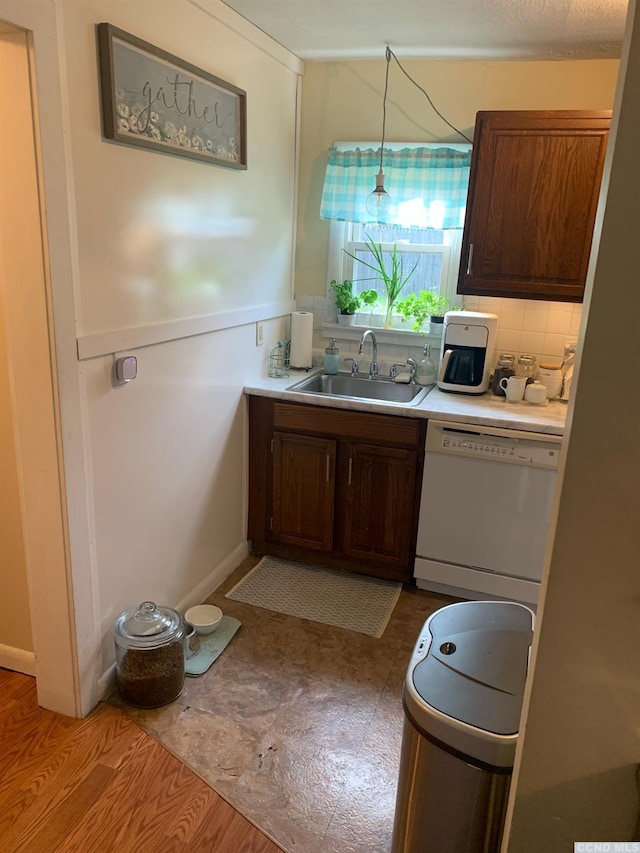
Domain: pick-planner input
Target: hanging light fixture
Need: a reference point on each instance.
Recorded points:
(378, 204)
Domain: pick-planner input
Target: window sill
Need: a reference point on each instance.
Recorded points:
(388, 336)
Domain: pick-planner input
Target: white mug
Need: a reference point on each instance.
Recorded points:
(513, 387)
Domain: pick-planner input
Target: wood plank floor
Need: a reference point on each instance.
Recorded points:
(102, 784)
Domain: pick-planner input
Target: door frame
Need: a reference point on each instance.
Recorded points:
(49, 414)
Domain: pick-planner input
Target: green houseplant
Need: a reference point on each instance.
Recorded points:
(421, 307)
(393, 277)
(348, 302)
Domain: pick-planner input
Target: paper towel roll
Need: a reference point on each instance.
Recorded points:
(301, 339)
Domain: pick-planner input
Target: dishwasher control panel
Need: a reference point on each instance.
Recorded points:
(492, 443)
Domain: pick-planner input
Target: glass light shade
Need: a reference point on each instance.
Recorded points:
(378, 204)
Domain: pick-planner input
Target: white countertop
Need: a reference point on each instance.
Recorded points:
(485, 409)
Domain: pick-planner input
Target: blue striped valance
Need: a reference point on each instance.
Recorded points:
(427, 186)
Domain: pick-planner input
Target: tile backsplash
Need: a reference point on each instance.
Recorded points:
(524, 326)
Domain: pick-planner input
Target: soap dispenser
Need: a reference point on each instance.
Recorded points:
(331, 359)
(426, 372)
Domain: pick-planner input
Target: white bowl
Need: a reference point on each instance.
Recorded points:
(205, 618)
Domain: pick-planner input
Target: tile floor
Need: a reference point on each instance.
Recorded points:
(299, 725)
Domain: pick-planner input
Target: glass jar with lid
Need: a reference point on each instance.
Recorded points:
(505, 368)
(526, 366)
(150, 655)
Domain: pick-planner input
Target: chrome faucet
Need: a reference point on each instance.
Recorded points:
(354, 365)
(413, 370)
(373, 367)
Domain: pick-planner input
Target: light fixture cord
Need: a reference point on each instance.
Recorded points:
(384, 103)
(389, 53)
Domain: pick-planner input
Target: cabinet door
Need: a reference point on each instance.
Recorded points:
(303, 490)
(379, 503)
(533, 192)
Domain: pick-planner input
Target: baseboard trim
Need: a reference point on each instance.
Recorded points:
(107, 683)
(17, 660)
(215, 578)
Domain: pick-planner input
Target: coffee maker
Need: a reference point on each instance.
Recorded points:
(466, 353)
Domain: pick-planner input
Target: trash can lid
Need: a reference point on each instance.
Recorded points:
(474, 671)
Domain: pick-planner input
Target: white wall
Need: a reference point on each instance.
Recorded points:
(173, 261)
(162, 237)
(170, 469)
(161, 241)
(577, 763)
(343, 101)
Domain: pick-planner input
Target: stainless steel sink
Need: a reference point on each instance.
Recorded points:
(361, 388)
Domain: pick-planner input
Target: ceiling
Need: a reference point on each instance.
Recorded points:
(443, 29)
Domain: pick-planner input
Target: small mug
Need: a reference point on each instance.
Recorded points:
(513, 387)
(535, 392)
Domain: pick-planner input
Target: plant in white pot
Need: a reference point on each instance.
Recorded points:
(348, 303)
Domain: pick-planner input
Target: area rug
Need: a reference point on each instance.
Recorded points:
(342, 599)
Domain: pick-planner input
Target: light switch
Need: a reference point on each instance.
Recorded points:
(125, 369)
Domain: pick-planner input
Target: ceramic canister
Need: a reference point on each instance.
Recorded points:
(550, 375)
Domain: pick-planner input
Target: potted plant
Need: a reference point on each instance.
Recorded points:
(423, 306)
(394, 278)
(348, 302)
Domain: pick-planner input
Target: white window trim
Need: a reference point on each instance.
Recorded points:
(398, 337)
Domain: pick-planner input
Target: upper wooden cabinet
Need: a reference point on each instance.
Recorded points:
(533, 192)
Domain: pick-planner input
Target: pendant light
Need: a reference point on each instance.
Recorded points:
(378, 204)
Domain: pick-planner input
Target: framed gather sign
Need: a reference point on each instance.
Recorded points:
(155, 100)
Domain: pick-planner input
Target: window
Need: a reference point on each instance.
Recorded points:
(434, 253)
(429, 189)
(425, 249)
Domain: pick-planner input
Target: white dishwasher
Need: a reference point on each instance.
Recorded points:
(487, 498)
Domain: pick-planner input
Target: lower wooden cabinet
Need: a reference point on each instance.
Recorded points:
(303, 491)
(379, 503)
(335, 487)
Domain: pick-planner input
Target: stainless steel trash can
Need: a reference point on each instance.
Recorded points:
(462, 699)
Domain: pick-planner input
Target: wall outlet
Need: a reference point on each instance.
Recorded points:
(259, 334)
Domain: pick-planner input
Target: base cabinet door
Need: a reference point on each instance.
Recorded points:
(379, 503)
(335, 487)
(303, 490)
